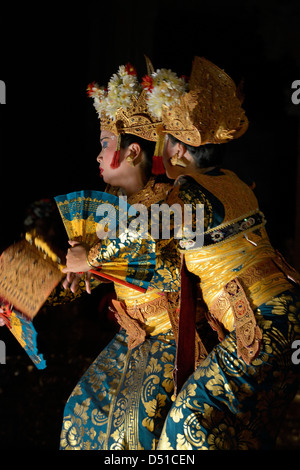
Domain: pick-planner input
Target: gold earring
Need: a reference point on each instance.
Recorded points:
(130, 159)
(175, 161)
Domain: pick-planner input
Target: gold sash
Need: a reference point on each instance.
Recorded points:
(142, 315)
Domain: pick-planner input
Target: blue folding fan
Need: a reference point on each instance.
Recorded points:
(93, 216)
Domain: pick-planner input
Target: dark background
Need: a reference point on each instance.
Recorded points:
(49, 135)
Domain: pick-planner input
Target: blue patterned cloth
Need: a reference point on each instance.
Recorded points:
(122, 400)
(229, 405)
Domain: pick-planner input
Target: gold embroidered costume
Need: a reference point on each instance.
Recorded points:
(237, 397)
(122, 400)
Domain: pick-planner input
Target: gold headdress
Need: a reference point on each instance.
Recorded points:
(209, 111)
(122, 109)
(137, 120)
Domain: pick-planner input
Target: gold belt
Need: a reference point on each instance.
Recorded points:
(233, 297)
(147, 318)
(256, 273)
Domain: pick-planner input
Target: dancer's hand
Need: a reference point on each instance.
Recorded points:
(76, 258)
(72, 280)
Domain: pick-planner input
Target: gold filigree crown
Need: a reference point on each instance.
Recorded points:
(137, 120)
(122, 106)
(209, 111)
(123, 109)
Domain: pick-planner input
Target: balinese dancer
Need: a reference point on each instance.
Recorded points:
(122, 400)
(238, 395)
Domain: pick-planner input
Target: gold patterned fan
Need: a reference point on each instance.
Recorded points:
(29, 271)
(28, 275)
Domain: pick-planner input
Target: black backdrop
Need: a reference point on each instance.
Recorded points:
(49, 142)
(49, 130)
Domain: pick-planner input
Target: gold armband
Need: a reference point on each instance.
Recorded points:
(92, 256)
